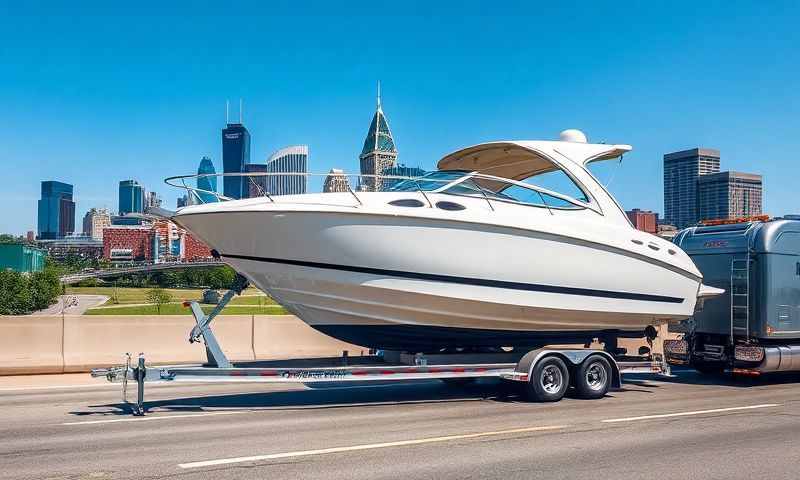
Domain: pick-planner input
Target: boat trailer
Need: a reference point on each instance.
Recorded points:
(541, 369)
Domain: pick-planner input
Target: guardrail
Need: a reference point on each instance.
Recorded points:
(152, 267)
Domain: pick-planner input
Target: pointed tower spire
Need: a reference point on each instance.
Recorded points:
(379, 152)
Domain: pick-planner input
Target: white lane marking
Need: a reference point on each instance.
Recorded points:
(684, 414)
(323, 451)
(160, 417)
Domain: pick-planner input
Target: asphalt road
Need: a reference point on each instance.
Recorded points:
(84, 302)
(679, 428)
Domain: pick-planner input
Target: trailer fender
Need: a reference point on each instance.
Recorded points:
(572, 357)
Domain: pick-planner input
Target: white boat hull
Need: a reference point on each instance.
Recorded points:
(411, 283)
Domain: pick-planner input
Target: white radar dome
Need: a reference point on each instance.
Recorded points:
(573, 135)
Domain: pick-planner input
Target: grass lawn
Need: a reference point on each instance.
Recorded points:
(125, 296)
(179, 309)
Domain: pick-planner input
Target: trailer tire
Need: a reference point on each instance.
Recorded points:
(549, 380)
(593, 377)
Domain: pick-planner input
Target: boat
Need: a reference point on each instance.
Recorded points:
(507, 244)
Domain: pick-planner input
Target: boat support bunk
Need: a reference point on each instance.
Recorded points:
(545, 374)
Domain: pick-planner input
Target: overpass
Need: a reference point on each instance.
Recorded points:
(139, 268)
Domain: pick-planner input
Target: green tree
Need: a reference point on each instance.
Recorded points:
(45, 288)
(158, 296)
(15, 294)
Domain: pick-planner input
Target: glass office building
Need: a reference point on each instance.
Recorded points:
(235, 155)
(206, 183)
(56, 211)
(729, 195)
(292, 159)
(131, 197)
(681, 172)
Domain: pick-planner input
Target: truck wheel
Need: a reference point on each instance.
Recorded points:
(593, 377)
(549, 380)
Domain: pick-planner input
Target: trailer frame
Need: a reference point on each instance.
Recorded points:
(486, 365)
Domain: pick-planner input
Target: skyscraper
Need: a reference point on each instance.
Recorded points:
(379, 152)
(151, 199)
(206, 183)
(336, 181)
(56, 211)
(95, 221)
(729, 195)
(681, 171)
(235, 155)
(257, 184)
(292, 159)
(131, 197)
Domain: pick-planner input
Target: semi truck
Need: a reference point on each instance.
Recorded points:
(754, 327)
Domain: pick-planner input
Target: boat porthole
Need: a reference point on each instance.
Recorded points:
(672, 252)
(450, 206)
(406, 202)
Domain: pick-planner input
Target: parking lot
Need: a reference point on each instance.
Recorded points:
(681, 427)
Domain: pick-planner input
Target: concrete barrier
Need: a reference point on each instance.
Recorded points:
(41, 344)
(30, 345)
(286, 336)
(92, 341)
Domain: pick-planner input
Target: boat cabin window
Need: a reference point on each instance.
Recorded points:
(520, 194)
(429, 182)
(559, 182)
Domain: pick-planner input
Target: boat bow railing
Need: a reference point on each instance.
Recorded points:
(474, 184)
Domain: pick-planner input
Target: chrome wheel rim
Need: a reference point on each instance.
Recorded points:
(551, 379)
(596, 376)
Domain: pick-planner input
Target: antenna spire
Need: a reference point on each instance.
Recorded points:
(227, 111)
(379, 94)
(241, 103)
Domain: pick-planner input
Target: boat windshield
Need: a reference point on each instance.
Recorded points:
(429, 182)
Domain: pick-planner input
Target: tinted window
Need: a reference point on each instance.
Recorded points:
(406, 202)
(559, 182)
(532, 197)
(450, 206)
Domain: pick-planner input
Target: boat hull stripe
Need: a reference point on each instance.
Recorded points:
(529, 287)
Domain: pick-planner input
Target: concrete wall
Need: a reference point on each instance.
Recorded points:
(39, 344)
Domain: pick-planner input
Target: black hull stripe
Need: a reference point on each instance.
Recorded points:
(529, 287)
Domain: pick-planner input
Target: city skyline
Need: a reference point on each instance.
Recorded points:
(633, 87)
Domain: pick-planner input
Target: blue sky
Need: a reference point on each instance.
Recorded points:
(94, 93)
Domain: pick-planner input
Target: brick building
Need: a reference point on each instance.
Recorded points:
(161, 241)
(128, 243)
(643, 220)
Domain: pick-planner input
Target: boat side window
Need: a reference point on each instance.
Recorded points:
(521, 194)
(559, 182)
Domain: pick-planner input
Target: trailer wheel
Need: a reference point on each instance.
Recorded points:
(549, 380)
(593, 377)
